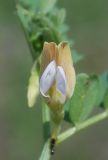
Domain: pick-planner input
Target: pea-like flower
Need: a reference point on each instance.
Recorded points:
(57, 78)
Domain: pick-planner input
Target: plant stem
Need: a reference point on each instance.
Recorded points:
(45, 155)
(81, 126)
(46, 121)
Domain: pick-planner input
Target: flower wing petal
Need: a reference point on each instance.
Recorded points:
(61, 84)
(47, 78)
(61, 80)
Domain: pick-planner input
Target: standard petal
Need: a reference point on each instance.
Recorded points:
(48, 54)
(47, 78)
(65, 60)
(71, 82)
(64, 57)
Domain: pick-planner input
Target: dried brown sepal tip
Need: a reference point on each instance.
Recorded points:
(52, 146)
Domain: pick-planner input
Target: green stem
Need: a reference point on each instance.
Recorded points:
(46, 121)
(81, 126)
(45, 155)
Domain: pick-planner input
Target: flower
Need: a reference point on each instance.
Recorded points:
(57, 77)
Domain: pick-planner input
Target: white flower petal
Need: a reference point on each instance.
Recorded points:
(61, 80)
(47, 78)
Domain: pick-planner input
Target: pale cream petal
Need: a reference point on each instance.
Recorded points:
(71, 82)
(65, 60)
(64, 56)
(48, 54)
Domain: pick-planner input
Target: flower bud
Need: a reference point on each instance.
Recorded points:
(57, 78)
(33, 87)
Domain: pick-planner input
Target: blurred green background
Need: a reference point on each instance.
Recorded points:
(20, 127)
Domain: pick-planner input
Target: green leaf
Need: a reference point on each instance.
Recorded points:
(46, 6)
(84, 98)
(33, 4)
(103, 85)
(76, 56)
(23, 16)
(61, 16)
(105, 101)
